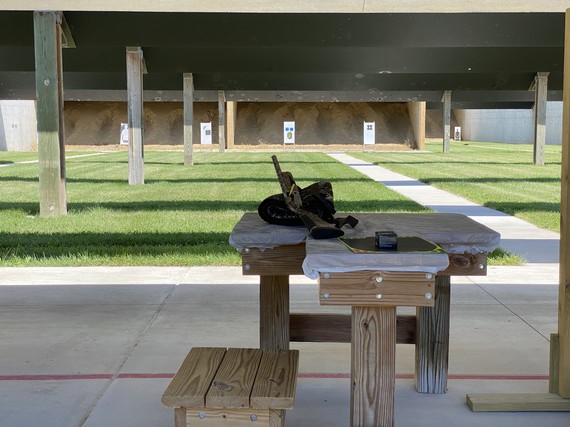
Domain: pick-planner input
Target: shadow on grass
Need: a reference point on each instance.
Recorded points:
(211, 206)
(63, 241)
(495, 180)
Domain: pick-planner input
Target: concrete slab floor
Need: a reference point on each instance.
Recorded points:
(98, 348)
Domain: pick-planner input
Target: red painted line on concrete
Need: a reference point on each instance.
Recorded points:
(306, 376)
(55, 377)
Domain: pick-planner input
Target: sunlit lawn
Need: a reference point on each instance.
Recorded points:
(181, 216)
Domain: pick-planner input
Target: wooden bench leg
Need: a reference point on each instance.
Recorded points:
(180, 417)
(274, 312)
(373, 366)
(432, 341)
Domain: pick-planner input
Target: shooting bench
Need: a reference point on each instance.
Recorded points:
(236, 387)
(373, 285)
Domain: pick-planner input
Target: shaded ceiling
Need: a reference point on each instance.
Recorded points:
(485, 59)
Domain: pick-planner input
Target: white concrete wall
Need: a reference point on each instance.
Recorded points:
(18, 126)
(513, 126)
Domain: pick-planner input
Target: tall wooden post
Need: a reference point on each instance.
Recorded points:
(539, 110)
(417, 113)
(564, 290)
(560, 346)
(222, 120)
(446, 120)
(135, 114)
(188, 118)
(232, 116)
(49, 95)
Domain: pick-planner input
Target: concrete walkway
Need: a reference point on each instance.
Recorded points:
(535, 245)
(97, 346)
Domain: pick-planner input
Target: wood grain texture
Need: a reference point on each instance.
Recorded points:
(564, 289)
(276, 380)
(227, 417)
(337, 328)
(383, 288)
(517, 402)
(180, 417)
(49, 108)
(188, 105)
(432, 341)
(373, 365)
(284, 260)
(466, 264)
(189, 386)
(553, 366)
(232, 384)
(222, 120)
(274, 312)
(135, 114)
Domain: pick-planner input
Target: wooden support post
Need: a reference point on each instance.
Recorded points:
(222, 120)
(539, 117)
(49, 94)
(446, 120)
(135, 114)
(188, 118)
(564, 290)
(432, 341)
(417, 113)
(232, 115)
(553, 367)
(559, 362)
(274, 312)
(373, 366)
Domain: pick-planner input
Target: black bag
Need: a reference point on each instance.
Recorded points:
(316, 198)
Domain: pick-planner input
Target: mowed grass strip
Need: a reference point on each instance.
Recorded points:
(499, 176)
(182, 215)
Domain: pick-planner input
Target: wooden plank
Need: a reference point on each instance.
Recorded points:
(337, 328)
(373, 366)
(466, 264)
(564, 289)
(233, 382)
(274, 312)
(553, 365)
(180, 417)
(288, 260)
(222, 120)
(276, 418)
(283, 260)
(432, 346)
(188, 97)
(417, 112)
(276, 380)
(189, 386)
(446, 120)
(135, 114)
(49, 95)
(387, 288)
(231, 120)
(539, 117)
(227, 417)
(517, 402)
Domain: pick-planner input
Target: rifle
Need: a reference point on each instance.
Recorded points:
(318, 227)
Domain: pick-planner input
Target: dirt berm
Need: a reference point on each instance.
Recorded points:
(99, 123)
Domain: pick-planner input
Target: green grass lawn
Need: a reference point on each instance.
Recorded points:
(181, 216)
(499, 176)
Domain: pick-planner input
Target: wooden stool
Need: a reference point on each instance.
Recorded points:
(233, 387)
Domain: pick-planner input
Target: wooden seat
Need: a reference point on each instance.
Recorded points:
(233, 387)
